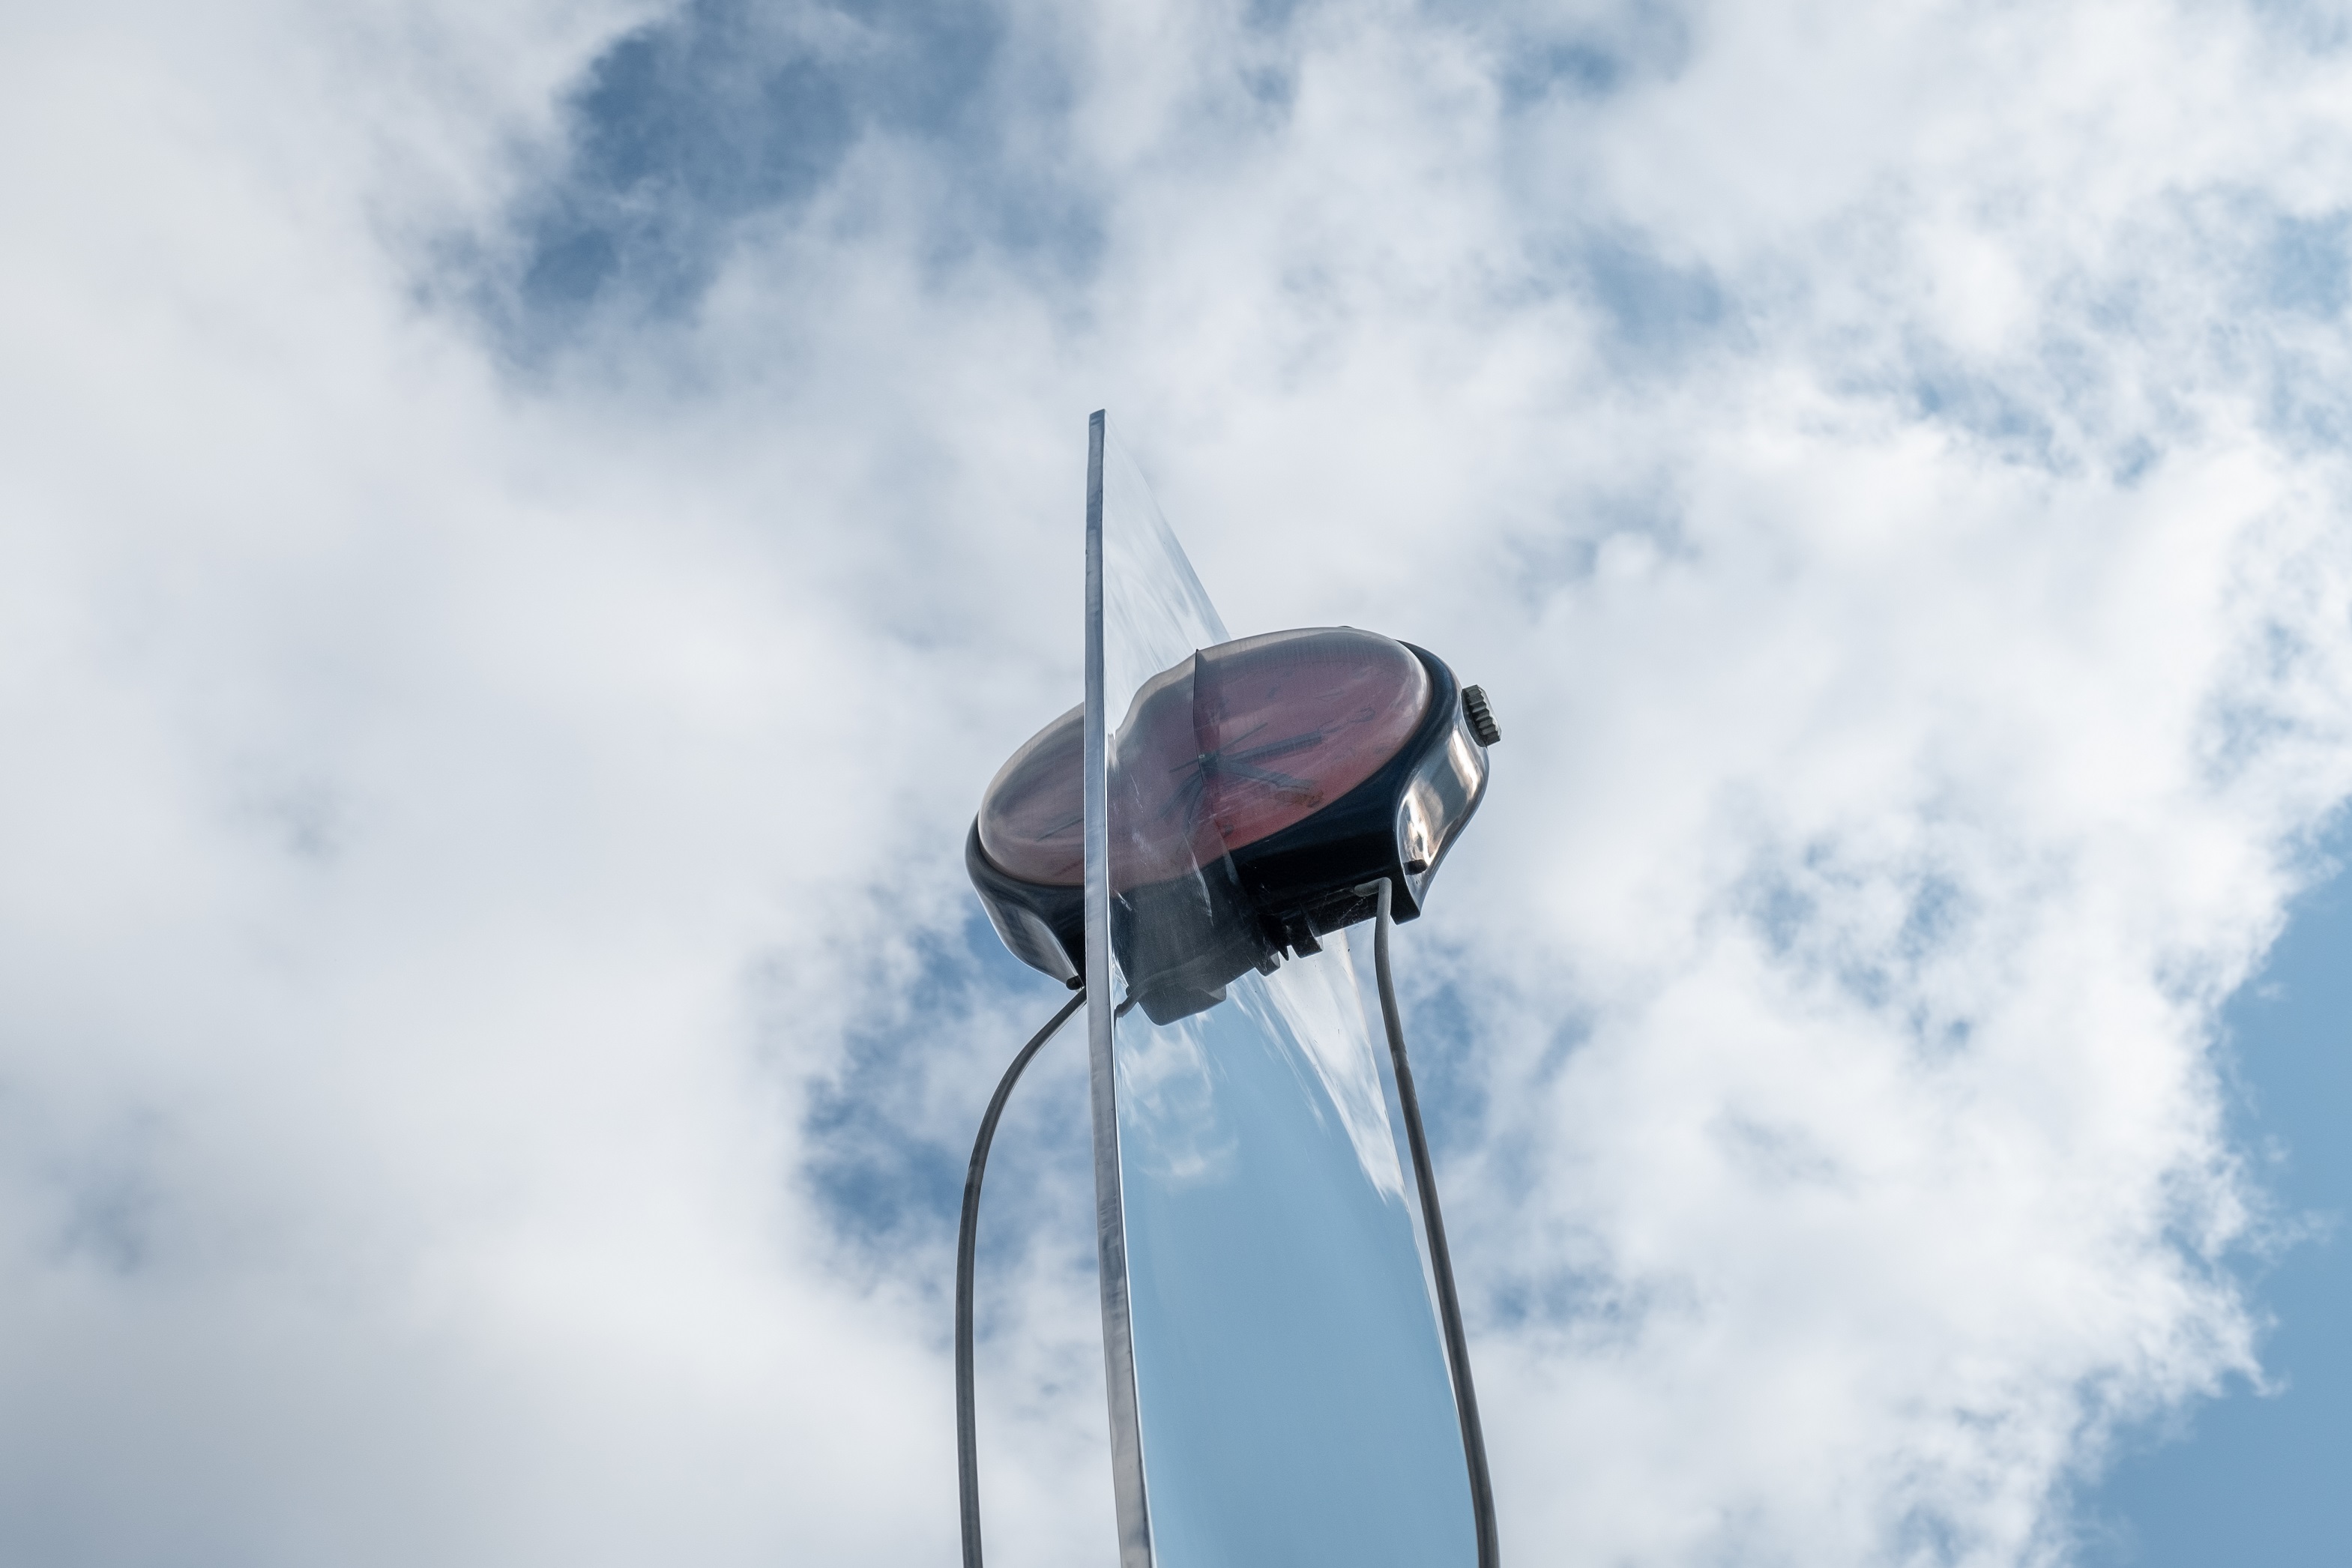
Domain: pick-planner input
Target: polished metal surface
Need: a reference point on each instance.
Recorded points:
(1279, 1383)
(1126, 1473)
(1292, 1381)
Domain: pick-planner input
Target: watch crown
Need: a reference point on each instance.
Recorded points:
(1481, 717)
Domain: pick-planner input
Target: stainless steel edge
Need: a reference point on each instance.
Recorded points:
(1110, 1220)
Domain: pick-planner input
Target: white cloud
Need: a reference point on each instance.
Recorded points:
(484, 838)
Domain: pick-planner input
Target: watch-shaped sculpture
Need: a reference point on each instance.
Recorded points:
(1259, 786)
(1286, 1368)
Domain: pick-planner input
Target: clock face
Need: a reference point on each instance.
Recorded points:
(1239, 742)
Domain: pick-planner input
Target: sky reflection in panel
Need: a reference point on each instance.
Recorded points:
(1290, 1384)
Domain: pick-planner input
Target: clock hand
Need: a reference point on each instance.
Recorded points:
(1220, 751)
(1265, 776)
(1224, 759)
(1274, 748)
(1227, 763)
(1187, 795)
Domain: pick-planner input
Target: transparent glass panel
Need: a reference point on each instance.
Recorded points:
(1290, 1400)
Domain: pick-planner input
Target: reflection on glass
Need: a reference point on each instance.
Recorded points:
(1291, 1396)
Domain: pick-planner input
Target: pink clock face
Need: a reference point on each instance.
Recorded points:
(1240, 742)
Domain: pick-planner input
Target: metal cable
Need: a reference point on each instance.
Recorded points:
(967, 1244)
(1449, 1307)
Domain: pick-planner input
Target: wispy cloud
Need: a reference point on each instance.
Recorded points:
(523, 534)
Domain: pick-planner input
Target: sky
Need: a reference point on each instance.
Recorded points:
(525, 528)
(2256, 1479)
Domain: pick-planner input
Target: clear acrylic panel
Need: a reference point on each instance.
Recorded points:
(1279, 1388)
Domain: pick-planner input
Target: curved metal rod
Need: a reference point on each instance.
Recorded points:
(1449, 1307)
(967, 1244)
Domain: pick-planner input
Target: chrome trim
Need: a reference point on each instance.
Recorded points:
(1111, 1219)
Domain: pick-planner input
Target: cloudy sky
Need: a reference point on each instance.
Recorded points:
(524, 528)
